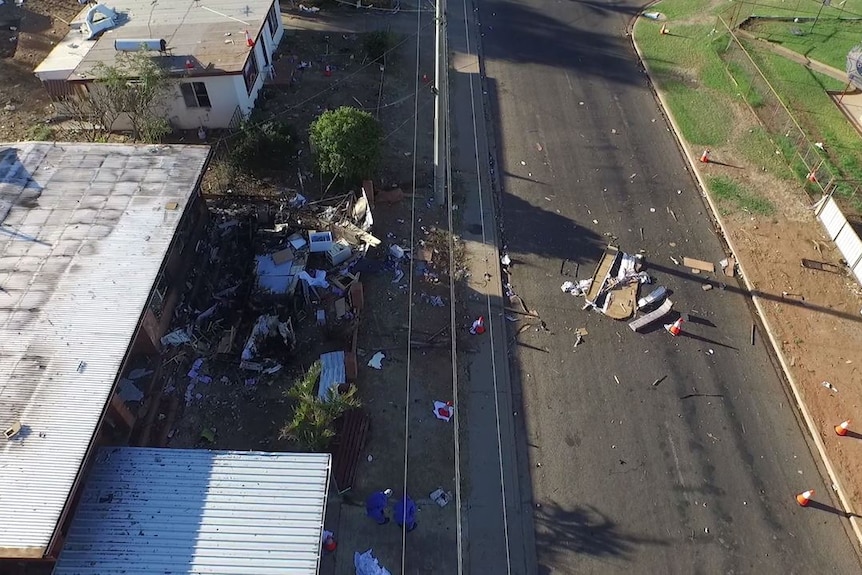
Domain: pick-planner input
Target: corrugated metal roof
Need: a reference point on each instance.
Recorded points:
(210, 33)
(178, 511)
(84, 229)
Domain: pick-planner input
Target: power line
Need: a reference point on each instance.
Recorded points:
(410, 295)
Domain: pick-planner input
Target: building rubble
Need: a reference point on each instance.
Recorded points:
(262, 272)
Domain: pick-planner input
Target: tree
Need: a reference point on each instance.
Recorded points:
(136, 85)
(346, 142)
(264, 146)
(311, 425)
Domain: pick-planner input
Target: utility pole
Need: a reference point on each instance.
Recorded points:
(440, 90)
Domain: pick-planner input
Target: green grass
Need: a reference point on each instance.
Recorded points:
(730, 193)
(692, 78)
(758, 148)
(829, 43)
(40, 133)
(804, 92)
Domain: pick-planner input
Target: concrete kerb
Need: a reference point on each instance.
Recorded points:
(806, 415)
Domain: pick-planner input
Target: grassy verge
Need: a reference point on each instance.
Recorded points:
(687, 66)
(730, 193)
(828, 43)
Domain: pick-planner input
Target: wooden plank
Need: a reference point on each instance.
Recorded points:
(601, 273)
(699, 265)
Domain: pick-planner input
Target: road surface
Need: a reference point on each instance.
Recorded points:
(699, 472)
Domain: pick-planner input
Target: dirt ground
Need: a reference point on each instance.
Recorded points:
(40, 23)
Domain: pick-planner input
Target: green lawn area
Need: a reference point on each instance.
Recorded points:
(829, 43)
(727, 191)
(688, 67)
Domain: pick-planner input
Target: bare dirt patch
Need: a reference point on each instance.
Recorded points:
(40, 24)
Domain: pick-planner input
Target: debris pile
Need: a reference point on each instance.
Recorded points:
(261, 272)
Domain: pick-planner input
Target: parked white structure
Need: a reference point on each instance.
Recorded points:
(219, 52)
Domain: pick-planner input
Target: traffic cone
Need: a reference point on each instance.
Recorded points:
(674, 328)
(327, 70)
(805, 497)
(812, 177)
(663, 30)
(478, 327)
(704, 157)
(841, 429)
(248, 40)
(329, 545)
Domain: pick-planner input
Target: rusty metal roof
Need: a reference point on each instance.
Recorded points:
(84, 229)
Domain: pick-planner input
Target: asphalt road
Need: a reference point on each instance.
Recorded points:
(695, 474)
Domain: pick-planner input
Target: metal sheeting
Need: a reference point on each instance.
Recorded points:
(831, 217)
(84, 229)
(146, 511)
(332, 373)
(842, 233)
(849, 245)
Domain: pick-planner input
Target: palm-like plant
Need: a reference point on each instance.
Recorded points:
(311, 426)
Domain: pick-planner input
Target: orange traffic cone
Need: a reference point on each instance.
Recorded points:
(841, 429)
(478, 327)
(329, 544)
(704, 157)
(805, 497)
(327, 70)
(248, 40)
(674, 328)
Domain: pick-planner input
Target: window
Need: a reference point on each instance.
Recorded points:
(195, 94)
(272, 19)
(250, 71)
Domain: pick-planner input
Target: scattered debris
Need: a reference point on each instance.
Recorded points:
(659, 380)
(728, 266)
(706, 287)
(376, 360)
(443, 410)
(820, 266)
(440, 497)
(655, 315)
(829, 386)
(654, 296)
(478, 327)
(367, 564)
(698, 264)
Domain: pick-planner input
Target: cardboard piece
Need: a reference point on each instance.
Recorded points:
(699, 265)
(282, 256)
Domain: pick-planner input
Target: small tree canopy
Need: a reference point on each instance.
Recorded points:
(265, 146)
(346, 142)
(135, 85)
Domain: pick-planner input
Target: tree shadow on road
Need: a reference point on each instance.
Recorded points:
(582, 530)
